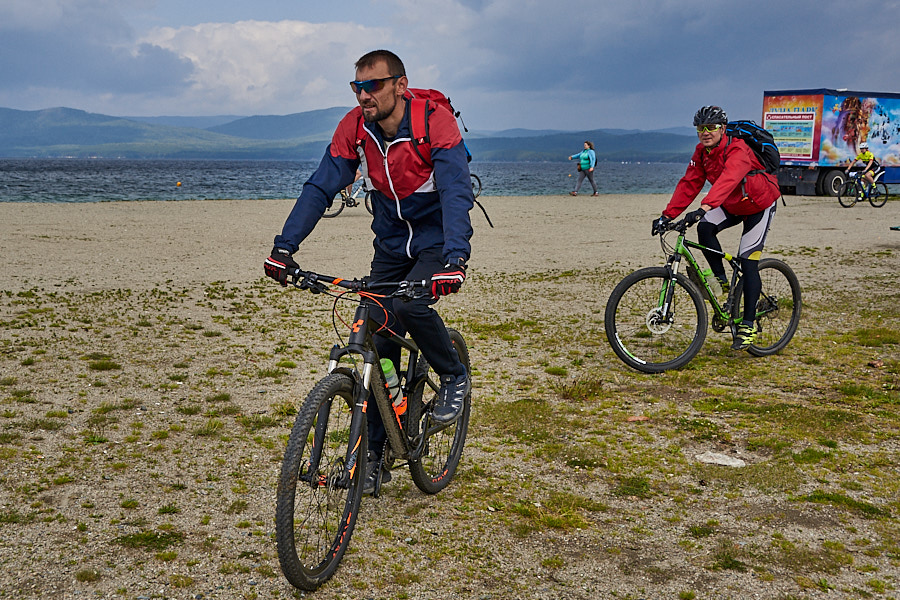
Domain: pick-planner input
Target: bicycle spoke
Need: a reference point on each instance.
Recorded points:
(317, 501)
(645, 338)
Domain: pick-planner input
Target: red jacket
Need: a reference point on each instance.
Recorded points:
(726, 167)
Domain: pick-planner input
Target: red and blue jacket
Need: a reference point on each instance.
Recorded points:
(417, 205)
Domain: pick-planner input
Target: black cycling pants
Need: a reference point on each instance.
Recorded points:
(417, 317)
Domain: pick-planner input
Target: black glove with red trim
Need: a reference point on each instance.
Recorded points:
(279, 264)
(449, 279)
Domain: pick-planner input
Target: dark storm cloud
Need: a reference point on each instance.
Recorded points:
(51, 60)
(82, 46)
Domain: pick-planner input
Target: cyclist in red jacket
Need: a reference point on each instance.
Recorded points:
(421, 222)
(741, 192)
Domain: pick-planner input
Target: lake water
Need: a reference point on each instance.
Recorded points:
(102, 180)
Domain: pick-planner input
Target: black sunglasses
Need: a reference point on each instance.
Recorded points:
(371, 85)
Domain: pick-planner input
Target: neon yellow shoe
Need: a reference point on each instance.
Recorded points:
(744, 336)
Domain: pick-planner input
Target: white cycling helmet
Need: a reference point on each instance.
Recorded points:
(864, 146)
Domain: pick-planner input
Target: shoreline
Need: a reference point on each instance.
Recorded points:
(186, 242)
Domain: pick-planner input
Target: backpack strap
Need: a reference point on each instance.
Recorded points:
(418, 125)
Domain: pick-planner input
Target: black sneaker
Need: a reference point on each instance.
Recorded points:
(373, 470)
(448, 407)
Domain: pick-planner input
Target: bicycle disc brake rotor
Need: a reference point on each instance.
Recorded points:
(655, 322)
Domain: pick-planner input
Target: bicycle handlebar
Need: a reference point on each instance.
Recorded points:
(318, 283)
(680, 226)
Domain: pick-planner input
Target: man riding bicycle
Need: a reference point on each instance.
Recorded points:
(871, 169)
(421, 222)
(741, 192)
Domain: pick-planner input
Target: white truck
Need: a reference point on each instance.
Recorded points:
(818, 133)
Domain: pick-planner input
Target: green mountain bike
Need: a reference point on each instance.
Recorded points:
(656, 318)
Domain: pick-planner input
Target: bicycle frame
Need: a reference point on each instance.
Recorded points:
(682, 249)
(857, 176)
(361, 343)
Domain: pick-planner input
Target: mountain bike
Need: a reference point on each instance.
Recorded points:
(656, 318)
(323, 472)
(856, 190)
(350, 200)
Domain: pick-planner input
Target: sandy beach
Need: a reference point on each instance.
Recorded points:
(149, 375)
(140, 244)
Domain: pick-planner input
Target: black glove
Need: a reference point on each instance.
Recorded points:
(448, 280)
(659, 225)
(279, 264)
(694, 216)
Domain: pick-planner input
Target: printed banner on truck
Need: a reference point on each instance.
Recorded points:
(827, 129)
(792, 122)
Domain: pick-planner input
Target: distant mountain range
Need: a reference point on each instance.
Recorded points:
(68, 132)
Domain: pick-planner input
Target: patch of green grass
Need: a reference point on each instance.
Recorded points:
(87, 575)
(104, 365)
(557, 371)
(838, 499)
(702, 429)
(256, 422)
(703, 530)
(810, 456)
(213, 427)
(637, 486)
(151, 540)
(727, 556)
(877, 336)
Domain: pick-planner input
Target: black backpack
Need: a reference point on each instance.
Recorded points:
(760, 141)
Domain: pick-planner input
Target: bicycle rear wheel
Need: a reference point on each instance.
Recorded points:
(317, 503)
(433, 471)
(778, 309)
(635, 326)
(848, 194)
(337, 205)
(879, 195)
(476, 184)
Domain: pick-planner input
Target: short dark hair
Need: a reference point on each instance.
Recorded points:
(394, 64)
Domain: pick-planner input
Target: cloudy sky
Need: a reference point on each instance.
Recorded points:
(537, 64)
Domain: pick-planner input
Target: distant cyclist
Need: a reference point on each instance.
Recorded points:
(741, 192)
(871, 169)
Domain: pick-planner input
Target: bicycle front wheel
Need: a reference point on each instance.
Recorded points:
(476, 184)
(433, 471)
(318, 493)
(879, 195)
(848, 194)
(638, 331)
(778, 308)
(337, 205)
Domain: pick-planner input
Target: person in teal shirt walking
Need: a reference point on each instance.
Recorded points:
(587, 160)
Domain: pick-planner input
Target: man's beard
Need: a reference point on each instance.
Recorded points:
(379, 115)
